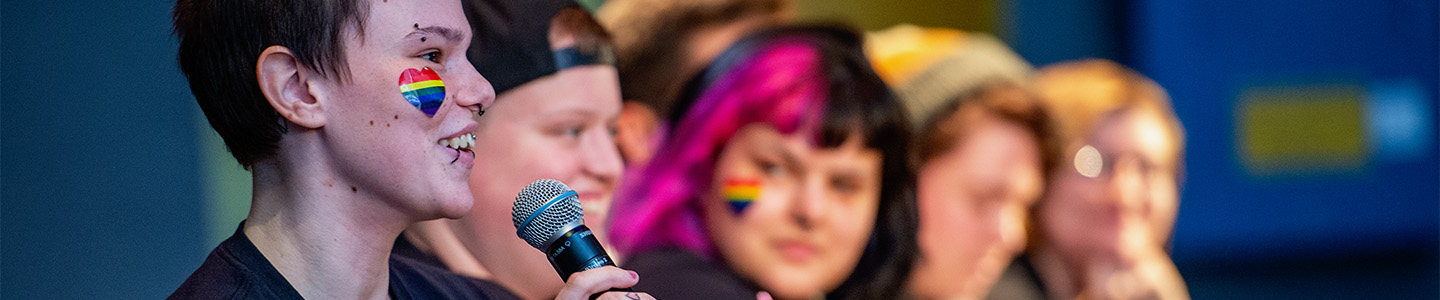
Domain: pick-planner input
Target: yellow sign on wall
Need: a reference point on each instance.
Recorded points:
(1301, 129)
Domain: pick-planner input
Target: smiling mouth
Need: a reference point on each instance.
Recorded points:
(460, 143)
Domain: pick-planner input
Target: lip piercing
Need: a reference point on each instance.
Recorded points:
(457, 156)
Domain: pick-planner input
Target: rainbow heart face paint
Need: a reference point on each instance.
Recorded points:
(740, 192)
(423, 89)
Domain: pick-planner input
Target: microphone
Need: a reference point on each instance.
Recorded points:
(548, 216)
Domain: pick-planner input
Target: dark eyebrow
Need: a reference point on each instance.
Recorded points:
(444, 32)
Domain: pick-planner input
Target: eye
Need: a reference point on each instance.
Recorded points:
(432, 56)
(569, 132)
(771, 169)
(843, 185)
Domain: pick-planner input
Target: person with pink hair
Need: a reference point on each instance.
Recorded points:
(784, 171)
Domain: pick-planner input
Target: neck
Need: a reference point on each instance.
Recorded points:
(436, 238)
(327, 241)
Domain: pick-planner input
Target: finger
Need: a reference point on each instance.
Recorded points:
(626, 296)
(583, 284)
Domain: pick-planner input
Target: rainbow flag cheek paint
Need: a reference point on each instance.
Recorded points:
(740, 193)
(423, 89)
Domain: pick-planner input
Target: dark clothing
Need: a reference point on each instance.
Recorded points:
(237, 270)
(1020, 281)
(407, 252)
(403, 248)
(412, 279)
(679, 274)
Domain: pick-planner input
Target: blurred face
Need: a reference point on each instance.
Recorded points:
(556, 127)
(383, 146)
(791, 217)
(973, 201)
(1120, 196)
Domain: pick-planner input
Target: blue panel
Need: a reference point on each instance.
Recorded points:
(1370, 232)
(1205, 52)
(101, 197)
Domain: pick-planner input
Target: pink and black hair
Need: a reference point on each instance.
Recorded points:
(815, 79)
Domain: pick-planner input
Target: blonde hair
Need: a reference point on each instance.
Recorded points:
(1080, 94)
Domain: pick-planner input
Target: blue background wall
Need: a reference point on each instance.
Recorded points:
(101, 190)
(107, 165)
(1361, 227)
(1364, 230)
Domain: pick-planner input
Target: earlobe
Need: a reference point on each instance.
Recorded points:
(286, 85)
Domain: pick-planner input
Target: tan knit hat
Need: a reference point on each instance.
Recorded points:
(932, 66)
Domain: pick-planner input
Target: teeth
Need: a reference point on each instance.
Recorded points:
(460, 142)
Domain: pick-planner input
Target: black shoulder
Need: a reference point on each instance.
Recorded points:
(412, 279)
(680, 274)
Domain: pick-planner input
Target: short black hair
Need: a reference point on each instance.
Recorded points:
(860, 102)
(221, 41)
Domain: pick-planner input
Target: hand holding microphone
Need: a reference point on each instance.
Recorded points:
(548, 216)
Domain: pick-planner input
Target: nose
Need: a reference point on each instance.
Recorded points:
(810, 204)
(602, 160)
(1011, 228)
(475, 93)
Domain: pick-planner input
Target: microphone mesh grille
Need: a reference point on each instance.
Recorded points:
(547, 222)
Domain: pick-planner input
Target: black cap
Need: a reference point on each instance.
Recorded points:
(511, 43)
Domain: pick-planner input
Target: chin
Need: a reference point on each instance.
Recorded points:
(455, 207)
(792, 289)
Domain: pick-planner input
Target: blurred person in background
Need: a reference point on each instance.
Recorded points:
(785, 172)
(558, 99)
(662, 43)
(982, 147)
(1107, 215)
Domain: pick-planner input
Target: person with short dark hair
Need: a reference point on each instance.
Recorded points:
(355, 119)
(553, 123)
(785, 172)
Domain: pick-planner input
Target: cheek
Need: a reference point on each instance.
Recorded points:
(854, 222)
(1071, 196)
(740, 193)
(744, 237)
(1055, 217)
(968, 228)
(510, 155)
(422, 89)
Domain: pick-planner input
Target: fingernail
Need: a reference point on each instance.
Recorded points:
(634, 275)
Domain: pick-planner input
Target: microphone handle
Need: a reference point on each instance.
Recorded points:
(578, 250)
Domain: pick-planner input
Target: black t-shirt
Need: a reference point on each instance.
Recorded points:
(237, 270)
(680, 274)
(404, 248)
